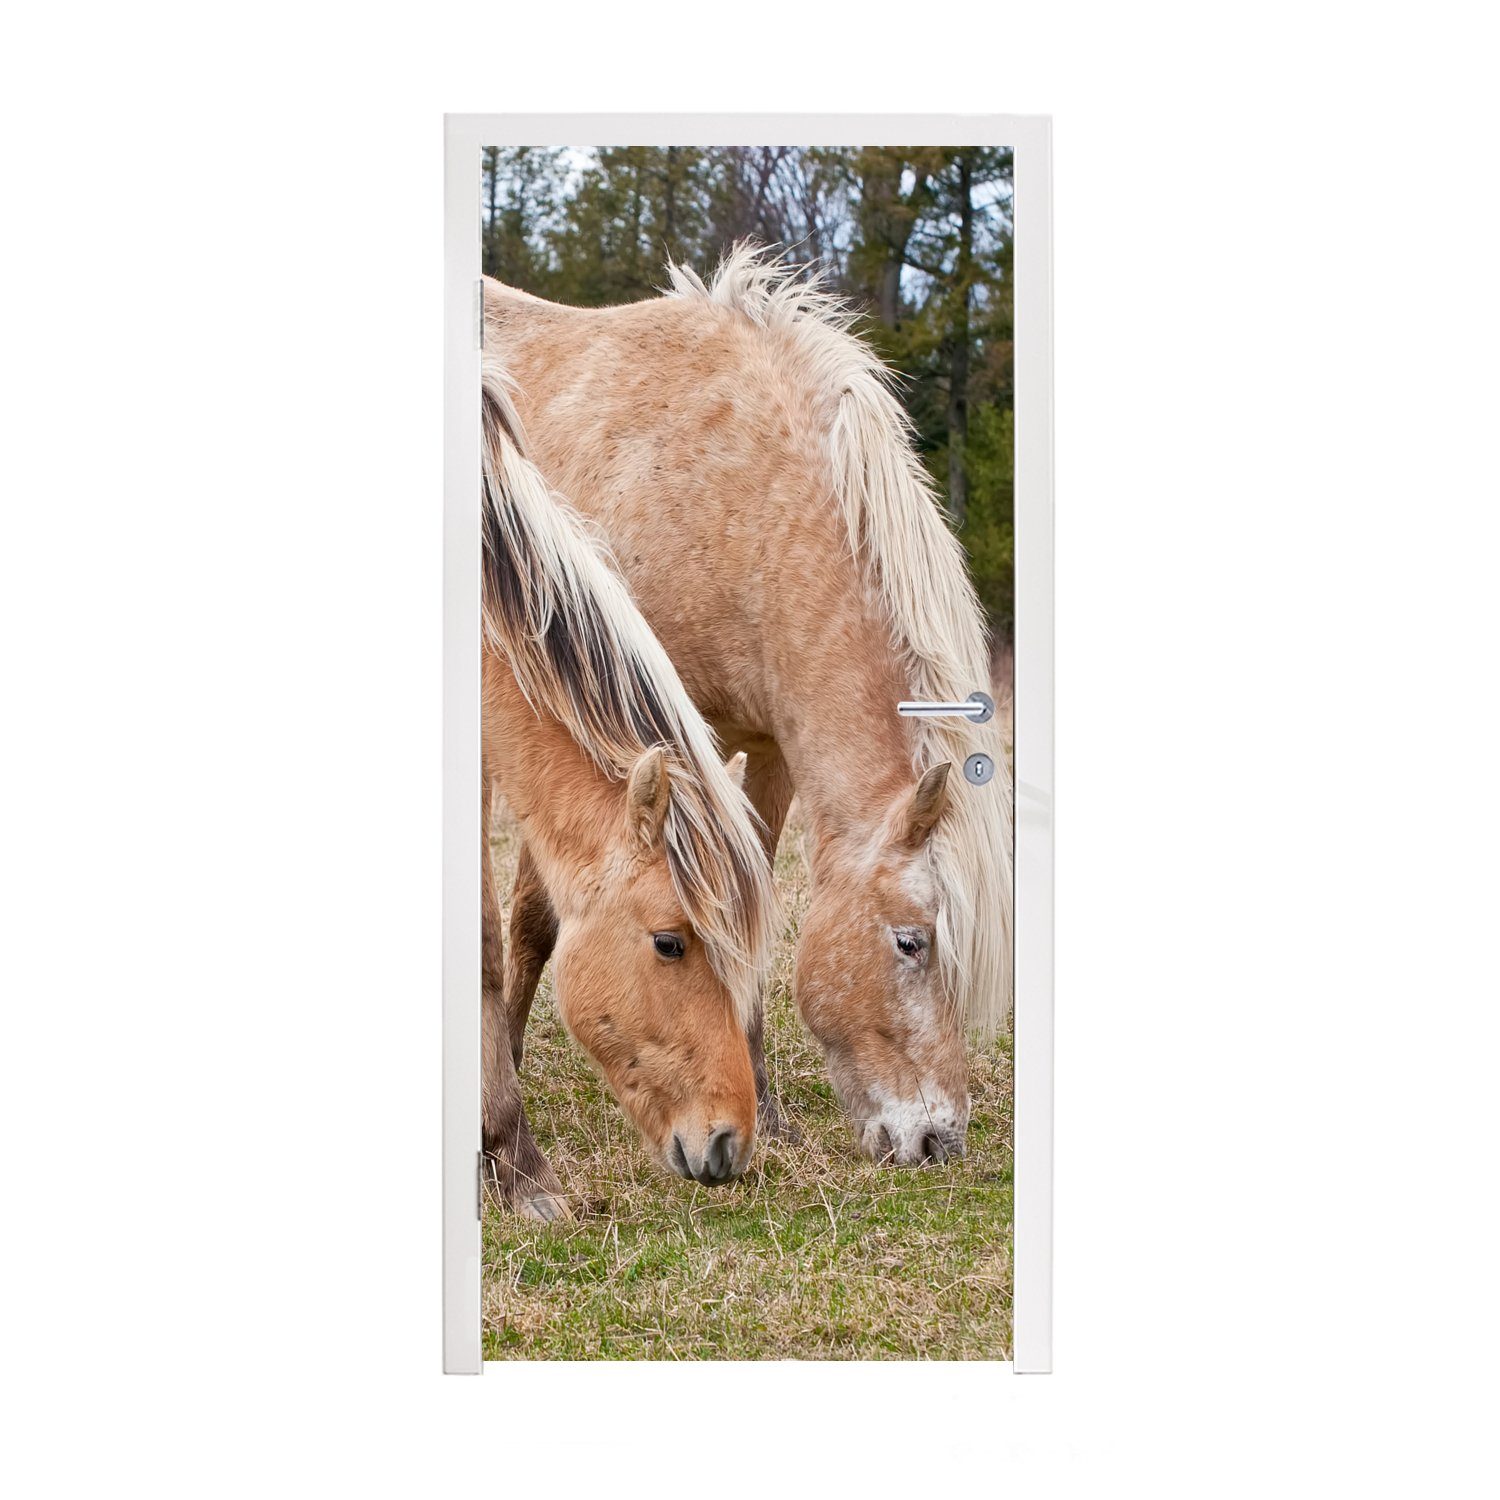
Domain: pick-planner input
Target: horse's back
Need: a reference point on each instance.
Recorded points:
(680, 428)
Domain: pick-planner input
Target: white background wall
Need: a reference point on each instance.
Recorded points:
(219, 603)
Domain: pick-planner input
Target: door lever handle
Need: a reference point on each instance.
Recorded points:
(978, 708)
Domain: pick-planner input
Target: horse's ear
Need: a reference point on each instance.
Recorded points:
(918, 813)
(647, 794)
(735, 765)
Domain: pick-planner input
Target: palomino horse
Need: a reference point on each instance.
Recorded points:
(652, 858)
(742, 451)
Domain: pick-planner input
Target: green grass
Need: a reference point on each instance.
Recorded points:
(814, 1254)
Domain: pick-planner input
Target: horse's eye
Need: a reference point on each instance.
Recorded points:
(911, 944)
(668, 945)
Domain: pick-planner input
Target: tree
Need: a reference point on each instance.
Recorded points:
(524, 189)
(959, 335)
(889, 209)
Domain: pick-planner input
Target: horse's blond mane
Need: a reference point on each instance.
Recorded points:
(915, 565)
(557, 610)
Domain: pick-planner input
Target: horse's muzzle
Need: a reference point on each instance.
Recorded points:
(918, 1148)
(719, 1161)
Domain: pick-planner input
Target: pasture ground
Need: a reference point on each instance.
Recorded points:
(814, 1254)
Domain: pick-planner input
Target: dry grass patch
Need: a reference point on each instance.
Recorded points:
(813, 1254)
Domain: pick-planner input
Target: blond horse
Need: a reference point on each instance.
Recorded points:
(744, 454)
(649, 853)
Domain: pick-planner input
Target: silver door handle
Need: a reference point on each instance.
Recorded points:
(978, 708)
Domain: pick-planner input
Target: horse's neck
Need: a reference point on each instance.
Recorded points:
(566, 807)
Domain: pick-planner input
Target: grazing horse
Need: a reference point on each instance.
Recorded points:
(660, 898)
(744, 454)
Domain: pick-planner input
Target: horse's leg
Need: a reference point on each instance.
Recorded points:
(533, 935)
(768, 785)
(522, 1176)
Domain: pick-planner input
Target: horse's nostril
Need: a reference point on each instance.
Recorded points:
(718, 1156)
(933, 1148)
(678, 1157)
(883, 1146)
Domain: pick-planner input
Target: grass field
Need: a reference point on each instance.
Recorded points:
(814, 1254)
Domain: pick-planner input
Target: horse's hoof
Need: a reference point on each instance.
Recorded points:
(546, 1207)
